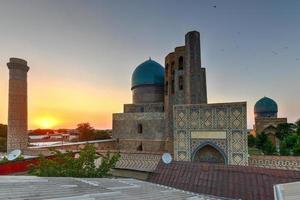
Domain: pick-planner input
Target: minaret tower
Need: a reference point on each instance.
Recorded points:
(194, 73)
(185, 79)
(17, 105)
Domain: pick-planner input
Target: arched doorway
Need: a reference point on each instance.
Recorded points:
(209, 154)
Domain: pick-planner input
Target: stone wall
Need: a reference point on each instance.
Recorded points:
(147, 94)
(143, 107)
(152, 137)
(276, 162)
(262, 123)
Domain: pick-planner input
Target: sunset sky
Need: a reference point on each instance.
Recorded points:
(82, 53)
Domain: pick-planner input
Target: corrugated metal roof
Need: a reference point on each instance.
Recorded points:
(287, 191)
(58, 188)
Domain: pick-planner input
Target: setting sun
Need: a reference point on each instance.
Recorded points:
(47, 122)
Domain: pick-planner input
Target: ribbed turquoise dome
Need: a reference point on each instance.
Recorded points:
(148, 73)
(266, 106)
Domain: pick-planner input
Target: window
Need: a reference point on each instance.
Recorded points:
(172, 87)
(140, 148)
(180, 83)
(172, 70)
(167, 67)
(142, 109)
(166, 88)
(140, 128)
(180, 63)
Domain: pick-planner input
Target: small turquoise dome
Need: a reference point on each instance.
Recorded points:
(266, 107)
(148, 73)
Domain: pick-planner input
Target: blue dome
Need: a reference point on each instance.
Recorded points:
(265, 106)
(148, 73)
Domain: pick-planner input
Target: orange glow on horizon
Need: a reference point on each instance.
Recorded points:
(68, 103)
(46, 122)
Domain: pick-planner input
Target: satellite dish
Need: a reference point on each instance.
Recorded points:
(14, 154)
(166, 158)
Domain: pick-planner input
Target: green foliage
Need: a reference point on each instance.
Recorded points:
(290, 146)
(298, 127)
(261, 140)
(284, 151)
(4, 160)
(2, 144)
(251, 141)
(254, 151)
(284, 130)
(265, 144)
(102, 134)
(269, 148)
(65, 165)
(296, 149)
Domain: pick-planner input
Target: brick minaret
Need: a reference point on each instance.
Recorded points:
(195, 75)
(17, 105)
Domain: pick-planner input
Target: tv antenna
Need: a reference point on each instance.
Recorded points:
(166, 158)
(13, 155)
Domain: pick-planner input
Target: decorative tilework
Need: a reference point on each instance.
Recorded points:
(195, 143)
(276, 162)
(229, 117)
(194, 118)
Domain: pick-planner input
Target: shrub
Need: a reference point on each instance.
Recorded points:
(269, 148)
(251, 141)
(65, 165)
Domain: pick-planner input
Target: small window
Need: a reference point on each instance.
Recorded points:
(140, 148)
(140, 128)
(142, 109)
(180, 63)
(172, 70)
(180, 83)
(173, 87)
(166, 88)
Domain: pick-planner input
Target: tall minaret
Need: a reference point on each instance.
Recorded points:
(17, 105)
(195, 75)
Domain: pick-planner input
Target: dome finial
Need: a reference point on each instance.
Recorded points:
(149, 57)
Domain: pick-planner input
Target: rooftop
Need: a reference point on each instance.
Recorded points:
(239, 182)
(58, 188)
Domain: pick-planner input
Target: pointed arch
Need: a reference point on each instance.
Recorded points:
(209, 152)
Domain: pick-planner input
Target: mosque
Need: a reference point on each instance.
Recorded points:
(170, 112)
(266, 119)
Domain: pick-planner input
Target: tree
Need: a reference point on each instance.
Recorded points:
(251, 141)
(3, 137)
(261, 140)
(298, 127)
(284, 129)
(296, 149)
(269, 148)
(284, 151)
(66, 165)
(86, 132)
(3, 130)
(290, 146)
(102, 134)
(290, 141)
